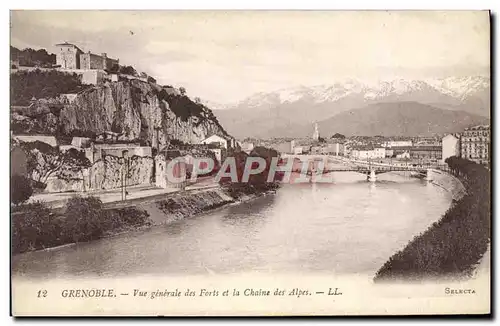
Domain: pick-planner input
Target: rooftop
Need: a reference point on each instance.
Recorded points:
(68, 44)
(479, 127)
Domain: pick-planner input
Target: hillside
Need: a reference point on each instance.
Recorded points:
(134, 109)
(399, 119)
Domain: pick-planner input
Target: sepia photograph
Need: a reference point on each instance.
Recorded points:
(250, 163)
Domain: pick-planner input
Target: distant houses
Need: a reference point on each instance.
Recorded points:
(450, 146)
(475, 144)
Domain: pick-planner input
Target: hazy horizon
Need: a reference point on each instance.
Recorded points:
(226, 56)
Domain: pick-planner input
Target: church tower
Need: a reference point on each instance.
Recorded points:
(316, 132)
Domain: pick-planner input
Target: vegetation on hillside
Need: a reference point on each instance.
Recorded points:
(453, 246)
(31, 58)
(183, 107)
(25, 85)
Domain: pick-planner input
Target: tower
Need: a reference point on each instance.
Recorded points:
(316, 132)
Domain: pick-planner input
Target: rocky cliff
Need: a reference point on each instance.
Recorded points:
(134, 109)
(104, 174)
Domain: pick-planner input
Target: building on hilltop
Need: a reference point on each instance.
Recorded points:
(475, 144)
(90, 61)
(70, 56)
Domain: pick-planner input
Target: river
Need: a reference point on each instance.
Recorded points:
(350, 226)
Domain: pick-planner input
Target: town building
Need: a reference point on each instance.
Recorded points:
(215, 140)
(170, 175)
(48, 139)
(367, 152)
(403, 155)
(431, 153)
(475, 144)
(316, 132)
(336, 149)
(98, 151)
(397, 143)
(282, 147)
(450, 146)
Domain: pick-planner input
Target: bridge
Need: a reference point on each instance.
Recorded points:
(322, 164)
(370, 171)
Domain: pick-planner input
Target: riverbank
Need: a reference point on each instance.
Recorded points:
(179, 206)
(45, 231)
(453, 246)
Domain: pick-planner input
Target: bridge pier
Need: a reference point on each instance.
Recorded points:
(372, 177)
(428, 175)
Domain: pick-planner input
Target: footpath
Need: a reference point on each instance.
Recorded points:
(113, 197)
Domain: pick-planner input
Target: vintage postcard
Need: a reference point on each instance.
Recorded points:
(250, 163)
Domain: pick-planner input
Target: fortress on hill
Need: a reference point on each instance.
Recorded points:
(70, 56)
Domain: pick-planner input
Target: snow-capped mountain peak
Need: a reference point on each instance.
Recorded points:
(457, 88)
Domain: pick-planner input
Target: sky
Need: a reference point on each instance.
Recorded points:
(223, 56)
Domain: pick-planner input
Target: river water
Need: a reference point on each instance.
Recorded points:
(350, 226)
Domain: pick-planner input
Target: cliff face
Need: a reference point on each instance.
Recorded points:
(103, 174)
(134, 109)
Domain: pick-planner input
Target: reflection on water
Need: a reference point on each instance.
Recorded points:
(350, 226)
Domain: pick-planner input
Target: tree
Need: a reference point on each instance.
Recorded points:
(34, 228)
(85, 218)
(128, 70)
(151, 80)
(20, 189)
(182, 90)
(337, 135)
(197, 100)
(115, 68)
(45, 161)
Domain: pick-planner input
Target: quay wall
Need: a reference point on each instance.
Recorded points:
(448, 182)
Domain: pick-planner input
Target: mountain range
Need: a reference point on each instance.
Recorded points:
(353, 107)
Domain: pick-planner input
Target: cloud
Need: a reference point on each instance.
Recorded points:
(225, 56)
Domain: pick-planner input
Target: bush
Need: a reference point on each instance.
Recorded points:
(35, 228)
(85, 219)
(128, 70)
(257, 183)
(126, 217)
(20, 189)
